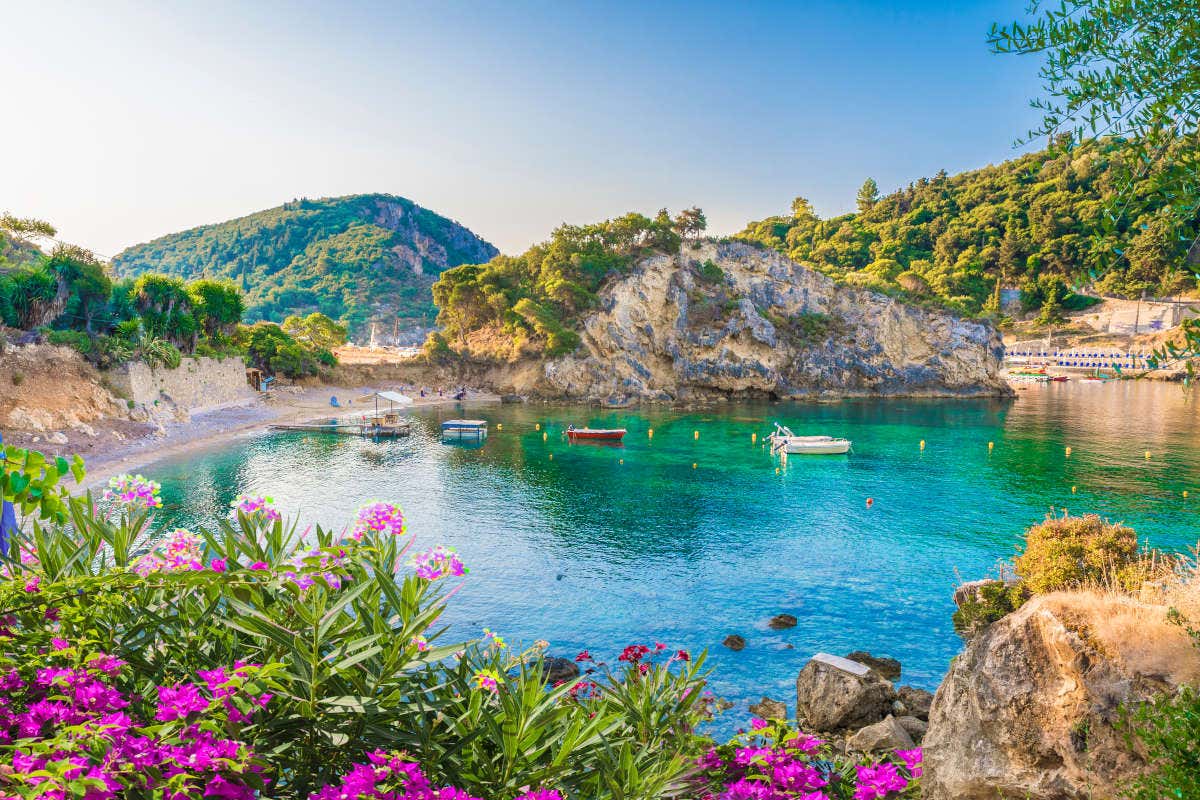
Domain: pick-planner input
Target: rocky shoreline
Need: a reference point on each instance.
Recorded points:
(1034, 707)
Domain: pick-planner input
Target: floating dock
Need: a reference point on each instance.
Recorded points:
(386, 426)
(464, 429)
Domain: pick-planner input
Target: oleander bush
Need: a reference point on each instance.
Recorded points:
(254, 658)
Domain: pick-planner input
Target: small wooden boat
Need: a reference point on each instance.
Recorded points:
(596, 434)
(784, 441)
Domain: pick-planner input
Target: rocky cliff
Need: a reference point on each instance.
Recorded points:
(727, 319)
(1031, 709)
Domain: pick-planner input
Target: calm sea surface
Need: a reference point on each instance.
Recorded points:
(593, 546)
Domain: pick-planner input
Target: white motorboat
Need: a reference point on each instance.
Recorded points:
(784, 441)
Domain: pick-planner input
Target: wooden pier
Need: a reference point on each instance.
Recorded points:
(385, 426)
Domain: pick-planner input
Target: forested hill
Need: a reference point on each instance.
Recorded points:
(1074, 216)
(358, 259)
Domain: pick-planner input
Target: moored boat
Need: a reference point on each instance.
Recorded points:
(784, 441)
(604, 434)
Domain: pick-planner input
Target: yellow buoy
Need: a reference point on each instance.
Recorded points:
(544, 436)
(1147, 454)
(552, 456)
(695, 434)
(1073, 488)
(1068, 451)
(622, 461)
(777, 470)
(991, 445)
(537, 426)
(650, 433)
(753, 438)
(922, 444)
(499, 426)
(1185, 492)
(693, 465)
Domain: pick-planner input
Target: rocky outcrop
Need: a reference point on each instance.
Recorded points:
(886, 667)
(1028, 710)
(835, 694)
(769, 709)
(671, 330)
(887, 734)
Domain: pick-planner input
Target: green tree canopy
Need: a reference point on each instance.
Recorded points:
(316, 331)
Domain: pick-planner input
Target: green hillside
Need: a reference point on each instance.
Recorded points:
(358, 259)
(1081, 216)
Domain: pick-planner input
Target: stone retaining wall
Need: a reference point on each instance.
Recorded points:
(197, 383)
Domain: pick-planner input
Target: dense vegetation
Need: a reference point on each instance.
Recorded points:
(255, 658)
(70, 297)
(1042, 222)
(354, 259)
(535, 299)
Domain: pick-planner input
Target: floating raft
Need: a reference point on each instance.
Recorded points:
(368, 426)
(464, 429)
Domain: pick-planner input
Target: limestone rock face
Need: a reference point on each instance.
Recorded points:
(769, 327)
(1027, 710)
(834, 694)
(886, 667)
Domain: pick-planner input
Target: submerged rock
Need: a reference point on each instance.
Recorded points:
(769, 709)
(781, 622)
(556, 669)
(734, 642)
(886, 667)
(835, 694)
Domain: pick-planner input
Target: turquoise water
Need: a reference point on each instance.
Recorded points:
(601, 546)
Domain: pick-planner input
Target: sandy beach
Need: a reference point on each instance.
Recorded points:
(214, 427)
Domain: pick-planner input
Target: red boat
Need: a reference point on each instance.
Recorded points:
(607, 434)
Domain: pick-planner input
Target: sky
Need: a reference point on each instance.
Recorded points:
(127, 121)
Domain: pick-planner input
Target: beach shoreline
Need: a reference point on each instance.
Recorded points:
(207, 429)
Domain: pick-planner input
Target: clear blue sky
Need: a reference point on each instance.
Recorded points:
(126, 121)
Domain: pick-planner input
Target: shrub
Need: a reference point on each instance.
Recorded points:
(774, 761)
(991, 602)
(18, 378)
(1169, 728)
(1070, 552)
(345, 628)
(76, 340)
(711, 272)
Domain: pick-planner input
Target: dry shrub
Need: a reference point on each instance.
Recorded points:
(1139, 636)
(1080, 552)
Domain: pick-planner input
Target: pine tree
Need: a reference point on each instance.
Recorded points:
(868, 195)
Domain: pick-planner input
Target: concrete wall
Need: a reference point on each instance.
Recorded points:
(196, 384)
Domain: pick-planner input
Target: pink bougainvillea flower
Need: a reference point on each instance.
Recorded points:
(878, 781)
(259, 566)
(912, 759)
(757, 724)
(584, 655)
(32, 584)
(218, 565)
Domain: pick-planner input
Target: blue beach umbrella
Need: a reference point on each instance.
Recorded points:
(8, 521)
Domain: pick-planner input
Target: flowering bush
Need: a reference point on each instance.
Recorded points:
(346, 628)
(70, 731)
(774, 762)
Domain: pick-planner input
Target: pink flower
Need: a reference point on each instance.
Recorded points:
(757, 724)
(259, 566)
(31, 585)
(218, 565)
(378, 518)
(912, 759)
(584, 655)
(57, 644)
(438, 563)
(133, 491)
(877, 782)
(255, 507)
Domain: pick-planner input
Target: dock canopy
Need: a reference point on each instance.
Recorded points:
(392, 397)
